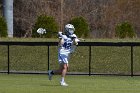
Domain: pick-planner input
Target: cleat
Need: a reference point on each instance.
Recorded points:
(64, 84)
(50, 75)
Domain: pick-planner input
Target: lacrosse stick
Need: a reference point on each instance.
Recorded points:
(42, 31)
(81, 39)
(77, 39)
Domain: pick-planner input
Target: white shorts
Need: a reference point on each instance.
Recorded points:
(63, 58)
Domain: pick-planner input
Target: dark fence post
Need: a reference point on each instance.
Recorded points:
(48, 58)
(8, 61)
(132, 73)
(89, 60)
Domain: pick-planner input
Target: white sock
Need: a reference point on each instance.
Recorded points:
(62, 79)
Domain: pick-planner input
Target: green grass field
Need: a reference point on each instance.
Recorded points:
(77, 84)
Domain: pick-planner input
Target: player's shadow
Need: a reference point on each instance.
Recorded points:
(49, 85)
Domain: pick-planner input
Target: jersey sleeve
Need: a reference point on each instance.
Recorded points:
(60, 35)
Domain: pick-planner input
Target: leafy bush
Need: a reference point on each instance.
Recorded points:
(124, 30)
(81, 26)
(46, 22)
(3, 27)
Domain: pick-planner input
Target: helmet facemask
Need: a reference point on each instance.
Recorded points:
(70, 31)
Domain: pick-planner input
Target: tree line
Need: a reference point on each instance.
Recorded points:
(102, 16)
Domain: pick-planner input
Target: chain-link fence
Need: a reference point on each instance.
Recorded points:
(90, 58)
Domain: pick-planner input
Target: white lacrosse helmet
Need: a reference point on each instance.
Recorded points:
(69, 29)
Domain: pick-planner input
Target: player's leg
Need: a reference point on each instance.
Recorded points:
(56, 72)
(64, 71)
(59, 71)
(64, 65)
(50, 74)
(63, 61)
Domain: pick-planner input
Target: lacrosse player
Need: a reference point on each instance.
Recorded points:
(67, 42)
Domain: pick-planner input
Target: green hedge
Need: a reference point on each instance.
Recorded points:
(81, 26)
(124, 30)
(3, 27)
(46, 22)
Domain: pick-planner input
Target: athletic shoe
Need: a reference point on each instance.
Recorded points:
(63, 84)
(50, 75)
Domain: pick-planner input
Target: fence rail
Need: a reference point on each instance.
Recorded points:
(89, 44)
(80, 43)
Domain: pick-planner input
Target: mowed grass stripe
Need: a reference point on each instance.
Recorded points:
(77, 84)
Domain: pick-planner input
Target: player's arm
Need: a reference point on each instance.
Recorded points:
(61, 40)
(75, 39)
(75, 43)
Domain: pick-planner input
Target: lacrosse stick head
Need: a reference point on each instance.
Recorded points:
(41, 31)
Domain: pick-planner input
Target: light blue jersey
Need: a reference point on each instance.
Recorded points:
(65, 49)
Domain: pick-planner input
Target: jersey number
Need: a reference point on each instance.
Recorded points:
(67, 45)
